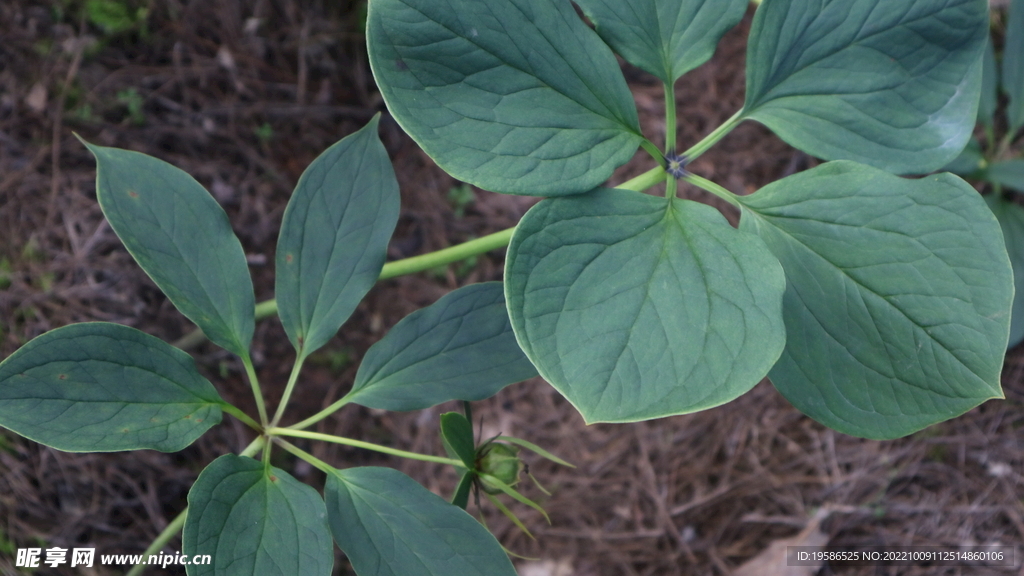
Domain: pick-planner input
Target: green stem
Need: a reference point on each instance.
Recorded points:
(237, 413)
(714, 189)
(646, 180)
(670, 118)
(364, 445)
(292, 378)
(255, 384)
(711, 139)
(160, 541)
(653, 151)
(423, 262)
(175, 525)
(316, 462)
(320, 415)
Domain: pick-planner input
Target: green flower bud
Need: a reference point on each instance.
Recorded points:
(502, 462)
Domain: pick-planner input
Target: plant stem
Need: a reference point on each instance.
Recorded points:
(316, 462)
(296, 368)
(711, 139)
(237, 413)
(255, 384)
(644, 181)
(653, 151)
(448, 255)
(670, 118)
(160, 541)
(364, 445)
(714, 189)
(337, 405)
(175, 525)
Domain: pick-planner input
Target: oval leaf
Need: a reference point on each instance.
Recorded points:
(182, 238)
(1009, 173)
(254, 521)
(898, 297)
(457, 436)
(635, 308)
(891, 83)
(334, 237)
(460, 348)
(667, 38)
(99, 387)
(389, 525)
(1013, 65)
(516, 96)
(1011, 220)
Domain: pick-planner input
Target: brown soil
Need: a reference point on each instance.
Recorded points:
(243, 94)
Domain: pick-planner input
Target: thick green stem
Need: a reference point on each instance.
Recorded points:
(364, 445)
(423, 262)
(711, 139)
(670, 118)
(292, 378)
(250, 372)
(644, 181)
(653, 151)
(237, 413)
(175, 525)
(714, 189)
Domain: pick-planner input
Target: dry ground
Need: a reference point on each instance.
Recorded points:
(243, 94)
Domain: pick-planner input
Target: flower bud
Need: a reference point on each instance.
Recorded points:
(502, 462)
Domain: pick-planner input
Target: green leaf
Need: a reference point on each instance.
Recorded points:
(969, 163)
(461, 496)
(891, 83)
(99, 387)
(667, 38)
(334, 237)
(534, 448)
(898, 297)
(1011, 220)
(635, 307)
(989, 86)
(515, 96)
(1009, 173)
(460, 348)
(182, 238)
(457, 436)
(256, 521)
(1013, 65)
(389, 525)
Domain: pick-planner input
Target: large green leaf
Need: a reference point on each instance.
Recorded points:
(182, 238)
(898, 300)
(389, 525)
(334, 237)
(637, 307)
(99, 387)
(1013, 65)
(1009, 173)
(255, 521)
(460, 348)
(891, 83)
(1011, 220)
(515, 96)
(667, 38)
